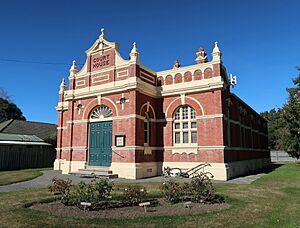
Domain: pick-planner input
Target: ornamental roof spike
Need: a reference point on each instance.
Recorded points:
(62, 86)
(216, 48)
(216, 54)
(102, 36)
(201, 56)
(134, 54)
(73, 69)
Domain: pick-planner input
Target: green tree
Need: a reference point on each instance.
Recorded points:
(277, 129)
(291, 113)
(9, 110)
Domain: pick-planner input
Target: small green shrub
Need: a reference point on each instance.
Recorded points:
(61, 187)
(172, 191)
(94, 192)
(200, 190)
(135, 194)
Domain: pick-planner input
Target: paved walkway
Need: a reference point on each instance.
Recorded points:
(44, 181)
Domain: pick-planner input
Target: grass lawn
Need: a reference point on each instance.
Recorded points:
(271, 201)
(10, 177)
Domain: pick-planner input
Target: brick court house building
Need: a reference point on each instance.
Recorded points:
(134, 121)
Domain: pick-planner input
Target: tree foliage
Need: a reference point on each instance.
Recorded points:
(291, 115)
(9, 110)
(284, 123)
(277, 129)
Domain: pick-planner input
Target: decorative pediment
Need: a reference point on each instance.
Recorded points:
(101, 44)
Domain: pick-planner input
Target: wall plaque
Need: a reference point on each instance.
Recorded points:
(120, 140)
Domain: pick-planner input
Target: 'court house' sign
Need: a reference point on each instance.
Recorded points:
(100, 61)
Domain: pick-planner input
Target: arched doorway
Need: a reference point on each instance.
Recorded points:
(100, 137)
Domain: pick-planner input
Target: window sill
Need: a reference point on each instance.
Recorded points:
(185, 150)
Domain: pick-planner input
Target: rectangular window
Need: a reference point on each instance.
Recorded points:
(193, 125)
(193, 114)
(185, 125)
(185, 113)
(194, 137)
(177, 137)
(185, 137)
(177, 125)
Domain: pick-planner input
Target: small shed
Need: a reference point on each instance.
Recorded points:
(24, 151)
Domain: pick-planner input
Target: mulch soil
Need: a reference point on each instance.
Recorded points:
(163, 209)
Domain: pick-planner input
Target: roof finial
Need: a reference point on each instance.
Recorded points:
(62, 87)
(73, 69)
(102, 36)
(216, 48)
(176, 64)
(201, 56)
(216, 54)
(134, 54)
(73, 65)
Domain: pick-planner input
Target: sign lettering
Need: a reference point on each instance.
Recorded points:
(100, 61)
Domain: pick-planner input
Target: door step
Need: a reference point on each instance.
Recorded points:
(91, 173)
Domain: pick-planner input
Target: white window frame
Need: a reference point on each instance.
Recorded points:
(105, 114)
(181, 130)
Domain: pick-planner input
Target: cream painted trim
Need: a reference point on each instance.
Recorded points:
(193, 86)
(131, 116)
(136, 83)
(77, 121)
(188, 150)
(219, 170)
(224, 171)
(73, 148)
(121, 73)
(213, 116)
(191, 68)
(62, 128)
(64, 105)
(80, 83)
(102, 98)
(198, 147)
(202, 109)
(234, 121)
(103, 119)
(100, 78)
(136, 148)
(136, 170)
(119, 61)
(147, 79)
(147, 69)
(150, 106)
(83, 70)
(167, 109)
(68, 166)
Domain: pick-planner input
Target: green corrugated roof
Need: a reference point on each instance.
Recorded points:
(19, 138)
(42, 130)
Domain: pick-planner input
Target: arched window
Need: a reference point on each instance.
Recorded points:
(185, 127)
(146, 129)
(100, 113)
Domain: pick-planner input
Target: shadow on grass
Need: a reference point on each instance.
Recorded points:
(270, 168)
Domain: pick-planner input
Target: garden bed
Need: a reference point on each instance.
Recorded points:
(162, 209)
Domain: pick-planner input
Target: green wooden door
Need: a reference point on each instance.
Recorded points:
(100, 144)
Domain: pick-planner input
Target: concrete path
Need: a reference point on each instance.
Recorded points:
(45, 180)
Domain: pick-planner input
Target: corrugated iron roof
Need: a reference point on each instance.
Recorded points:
(19, 138)
(42, 130)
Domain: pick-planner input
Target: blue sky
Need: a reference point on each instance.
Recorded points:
(259, 41)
